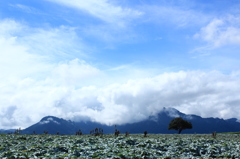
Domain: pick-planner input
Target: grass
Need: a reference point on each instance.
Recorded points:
(230, 133)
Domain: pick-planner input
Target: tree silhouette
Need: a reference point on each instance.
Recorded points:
(179, 124)
(117, 132)
(18, 131)
(126, 134)
(145, 133)
(79, 132)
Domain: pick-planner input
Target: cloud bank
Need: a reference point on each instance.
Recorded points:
(209, 94)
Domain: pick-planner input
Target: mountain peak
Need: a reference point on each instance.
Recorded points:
(46, 118)
(50, 119)
(154, 124)
(172, 112)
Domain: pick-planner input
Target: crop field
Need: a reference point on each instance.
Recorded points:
(108, 146)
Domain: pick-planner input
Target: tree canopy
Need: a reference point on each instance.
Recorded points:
(179, 124)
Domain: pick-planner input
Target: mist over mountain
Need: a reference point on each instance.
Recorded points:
(154, 124)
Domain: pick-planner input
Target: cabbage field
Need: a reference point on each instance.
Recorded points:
(108, 146)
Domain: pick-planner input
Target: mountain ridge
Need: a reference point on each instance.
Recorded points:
(154, 124)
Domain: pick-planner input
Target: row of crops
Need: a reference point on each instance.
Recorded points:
(108, 146)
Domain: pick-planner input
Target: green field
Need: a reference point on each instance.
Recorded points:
(232, 133)
(108, 146)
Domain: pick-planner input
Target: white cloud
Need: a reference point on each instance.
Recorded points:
(187, 91)
(120, 67)
(33, 51)
(39, 77)
(209, 94)
(26, 9)
(103, 10)
(174, 15)
(9, 27)
(221, 32)
(113, 24)
(16, 61)
(75, 73)
(35, 62)
(49, 120)
(61, 43)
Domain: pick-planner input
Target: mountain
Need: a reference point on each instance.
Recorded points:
(3, 131)
(202, 125)
(154, 124)
(53, 125)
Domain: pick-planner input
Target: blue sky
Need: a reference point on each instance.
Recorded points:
(118, 61)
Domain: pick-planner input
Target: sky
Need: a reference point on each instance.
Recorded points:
(118, 62)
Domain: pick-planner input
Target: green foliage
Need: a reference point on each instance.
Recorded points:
(3, 134)
(231, 133)
(179, 124)
(108, 146)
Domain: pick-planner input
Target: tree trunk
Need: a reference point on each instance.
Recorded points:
(179, 131)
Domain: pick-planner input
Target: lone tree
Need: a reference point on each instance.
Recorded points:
(179, 124)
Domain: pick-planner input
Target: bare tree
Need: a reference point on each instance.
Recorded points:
(214, 134)
(117, 132)
(18, 131)
(145, 133)
(79, 132)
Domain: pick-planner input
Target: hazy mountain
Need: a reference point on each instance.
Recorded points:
(154, 124)
(3, 131)
(53, 125)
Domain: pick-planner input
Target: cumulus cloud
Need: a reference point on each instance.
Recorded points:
(221, 32)
(209, 94)
(15, 60)
(36, 51)
(75, 73)
(7, 115)
(33, 60)
(9, 27)
(33, 84)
